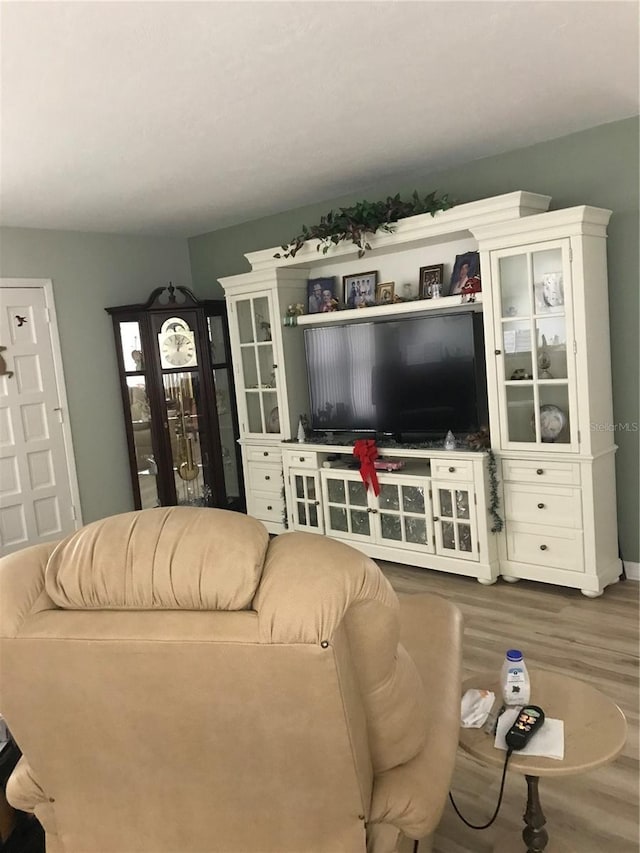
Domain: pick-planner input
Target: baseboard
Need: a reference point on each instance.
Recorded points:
(632, 570)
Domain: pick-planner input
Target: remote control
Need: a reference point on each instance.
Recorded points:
(529, 720)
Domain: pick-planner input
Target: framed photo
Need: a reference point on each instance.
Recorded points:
(359, 289)
(466, 266)
(428, 277)
(321, 295)
(384, 292)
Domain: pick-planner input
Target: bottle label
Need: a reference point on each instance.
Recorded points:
(516, 682)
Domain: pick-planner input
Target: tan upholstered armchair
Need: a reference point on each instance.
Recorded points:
(178, 683)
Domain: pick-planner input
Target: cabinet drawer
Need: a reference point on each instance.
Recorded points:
(266, 507)
(272, 455)
(451, 469)
(552, 547)
(265, 478)
(301, 459)
(541, 472)
(561, 507)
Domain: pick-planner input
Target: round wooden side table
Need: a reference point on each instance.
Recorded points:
(595, 731)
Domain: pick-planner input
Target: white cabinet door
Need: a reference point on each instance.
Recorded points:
(306, 511)
(256, 364)
(404, 517)
(534, 346)
(455, 520)
(348, 514)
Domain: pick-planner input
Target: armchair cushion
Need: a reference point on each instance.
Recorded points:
(170, 558)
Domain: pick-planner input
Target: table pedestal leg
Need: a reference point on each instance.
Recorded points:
(534, 834)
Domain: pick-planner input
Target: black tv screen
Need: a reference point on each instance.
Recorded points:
(414, 376)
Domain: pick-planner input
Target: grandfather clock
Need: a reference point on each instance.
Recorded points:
(179, 403)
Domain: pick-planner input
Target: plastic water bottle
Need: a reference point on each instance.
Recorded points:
(514, 679)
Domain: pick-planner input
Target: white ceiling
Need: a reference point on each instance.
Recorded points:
(179, 118)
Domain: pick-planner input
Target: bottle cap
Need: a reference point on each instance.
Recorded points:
(514, 655)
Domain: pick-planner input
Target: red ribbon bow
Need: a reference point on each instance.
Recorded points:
(366, 451)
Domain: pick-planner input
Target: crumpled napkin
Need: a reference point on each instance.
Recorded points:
(475, 707)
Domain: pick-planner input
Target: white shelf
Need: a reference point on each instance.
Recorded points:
(395, 309)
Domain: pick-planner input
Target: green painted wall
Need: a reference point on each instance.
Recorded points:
(598, 167)
(89, 273)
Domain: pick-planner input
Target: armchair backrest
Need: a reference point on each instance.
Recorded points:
(177, 682)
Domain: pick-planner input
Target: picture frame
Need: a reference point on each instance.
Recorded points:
(359, 289)
(467, 266)
(385, 292)
(427, 278)
(321, 295)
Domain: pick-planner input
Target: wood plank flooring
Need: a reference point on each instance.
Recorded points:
(558, 629)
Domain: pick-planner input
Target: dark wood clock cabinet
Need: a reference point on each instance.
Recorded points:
(179, 403)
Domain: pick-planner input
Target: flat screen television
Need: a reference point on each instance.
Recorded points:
(414, 376)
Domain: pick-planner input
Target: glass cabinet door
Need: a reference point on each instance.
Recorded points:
(258, 368)
(307, 513)
(404, 513)
(535, 345)
(347, 508)
(144, 464)
(455, 520)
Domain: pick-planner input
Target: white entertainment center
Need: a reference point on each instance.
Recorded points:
(557, 498)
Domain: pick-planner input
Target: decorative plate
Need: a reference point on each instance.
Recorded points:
(273, 421)
(552, 421)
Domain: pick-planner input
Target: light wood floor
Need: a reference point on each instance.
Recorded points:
(595, 640)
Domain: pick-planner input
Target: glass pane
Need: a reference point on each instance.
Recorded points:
(336, 491)
(360, 522)
(267, 370)
(302, 516)
(313, 516)
(271, 412)
(416, 530)
(554, 414)
(227, 433)
(446, 504)
(249, 368)
(462, 504)
(140, 414)
(245, 321)
(517, 345)
(448, 535)
(299, 486)
(357, 493)
(186, 433)
(389, 496)
(520, 405)
(551, 345)
(254, 415)
(413, 498)
(548, 281)
(464, 534)
(338, 518)
(514, 286)
(262, 318)
(216, 340)
(131, 347)
(311, 488)
(391, 527)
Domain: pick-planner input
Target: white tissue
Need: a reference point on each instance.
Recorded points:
(475, 707)
(547, 741)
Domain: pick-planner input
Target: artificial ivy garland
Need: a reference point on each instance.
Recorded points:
(494, 493)
(366, 217)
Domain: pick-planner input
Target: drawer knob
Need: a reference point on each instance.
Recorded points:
(540, 506)
(269, 507)
(451, 469)
(265, 453)
(540, 471)
(301, 458)
(543, 547)
(267, 477)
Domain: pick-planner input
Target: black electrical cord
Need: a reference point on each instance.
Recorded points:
(495, 814)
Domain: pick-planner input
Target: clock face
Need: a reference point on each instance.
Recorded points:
(178, 349)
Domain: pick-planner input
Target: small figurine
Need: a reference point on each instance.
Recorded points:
(470, 288)
(450, 441)
(301, 433)
(296, 310)
(479, 440)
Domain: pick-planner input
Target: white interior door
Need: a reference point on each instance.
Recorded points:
(38, 485)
